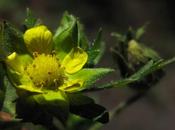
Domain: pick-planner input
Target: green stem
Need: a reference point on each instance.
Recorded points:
(123, 105)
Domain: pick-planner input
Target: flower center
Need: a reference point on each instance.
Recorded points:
(46, 71)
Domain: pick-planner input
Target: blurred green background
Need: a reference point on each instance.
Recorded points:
(156, 111)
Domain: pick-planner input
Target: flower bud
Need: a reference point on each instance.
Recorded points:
(38, 39)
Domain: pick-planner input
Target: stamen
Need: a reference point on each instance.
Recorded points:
(46, 71)
(35, 54)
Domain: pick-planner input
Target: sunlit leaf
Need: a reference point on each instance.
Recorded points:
(89, 76)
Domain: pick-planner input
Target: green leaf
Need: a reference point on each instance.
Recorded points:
(44, 109)
(7, 104)
(65, 35)
(147, 69)
(53, 102)
(9, 99)
(119, 37)
(2, 86)
(86, 107)
(150, 53)
(83, 41)
(76, 35)
(29, 111)
(68, 35)
(89, 76)
(140, 31)
(11, 40)
(30, 20)
(97, 50)
(79, 123)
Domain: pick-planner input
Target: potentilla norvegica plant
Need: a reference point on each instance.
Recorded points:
(44, 74)
(49, 71)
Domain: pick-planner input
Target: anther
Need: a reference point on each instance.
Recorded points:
(25, 68)
(53, 53)
(35, 54)
(34, 66)
(49, 73)
(56, 81)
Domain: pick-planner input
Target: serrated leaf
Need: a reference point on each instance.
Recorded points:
(11, 40)
(89, 76)
(86, 107)
(97, 49)
(147, 69)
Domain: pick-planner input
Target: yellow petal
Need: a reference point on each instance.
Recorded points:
(75, 60)
(29, 88)
(72, 86)
(38, 39)
(27, 84)
(18, 62)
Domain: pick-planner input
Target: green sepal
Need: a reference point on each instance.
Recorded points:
(11, 40)
(150, 53)
(140, 31)
(65, 35)
(89, 76)
(86, 107)
(82, 39)
(68, 35)
(30, 20)
(96, 50)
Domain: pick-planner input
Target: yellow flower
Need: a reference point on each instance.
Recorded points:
(43, 70)
(50, 70)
